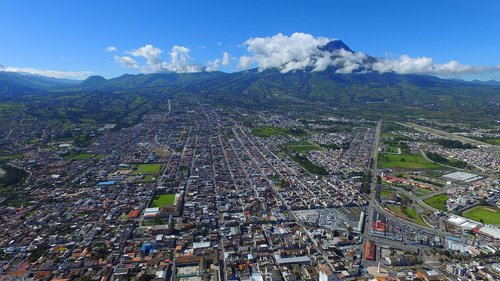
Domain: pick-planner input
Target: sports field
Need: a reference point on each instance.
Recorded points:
(148, 169)
(488, 214)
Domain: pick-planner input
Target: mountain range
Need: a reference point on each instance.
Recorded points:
(253, 86)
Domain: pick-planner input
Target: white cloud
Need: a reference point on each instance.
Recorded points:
(111, 49)
(286, 53)
(214, 65)
(179, 57)
(152, 56)
(245, 62)
(225, 59)
(127, 61)
(76, 75)
(300, 51)
(348, 62)
(424, 65)
(179, 60)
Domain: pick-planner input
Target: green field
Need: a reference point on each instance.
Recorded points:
(386, 192)
(408, 214)
(12, 156)
(309, 166)
(438, 201)
(269, 131)
(412, 213)
(266, 132)
(163, 200)
(303, 147)
(146, 179)
(488, 214)
(492, 141)
(148, 169)
(418, 191)
(405, 161)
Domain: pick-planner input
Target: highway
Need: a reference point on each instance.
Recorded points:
(374, 206)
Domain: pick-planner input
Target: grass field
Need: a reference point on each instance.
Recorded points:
(385, 192)
(493, 141)
(148, 169)
(303, 147)
(405, 161)
(438, 201)
(269, 131)
(418, 191)
(147, 179)
(408, 214)
(12, 156)
(488, 214)
(163, 200)
(266, 132)
(412, 213)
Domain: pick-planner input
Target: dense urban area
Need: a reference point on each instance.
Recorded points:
(197, 191)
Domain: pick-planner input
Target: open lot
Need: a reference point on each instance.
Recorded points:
(488, 214)
(438, 201)
(405, 161)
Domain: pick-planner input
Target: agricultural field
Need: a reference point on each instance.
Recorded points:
(405, 161)
(163, 200)
(438, 201)
(486, 214)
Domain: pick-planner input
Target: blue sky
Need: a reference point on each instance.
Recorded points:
(73, 35)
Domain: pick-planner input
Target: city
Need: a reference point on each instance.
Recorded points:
(249, 140)
(194, 194)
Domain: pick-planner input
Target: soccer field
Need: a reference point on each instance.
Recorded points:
(488, 214)
(149, 169)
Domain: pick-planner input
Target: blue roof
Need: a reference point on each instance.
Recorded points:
(106, 183)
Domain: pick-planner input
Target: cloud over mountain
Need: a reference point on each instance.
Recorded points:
(424, 65)
(286, 53)
(296, 52)
(301, 51)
